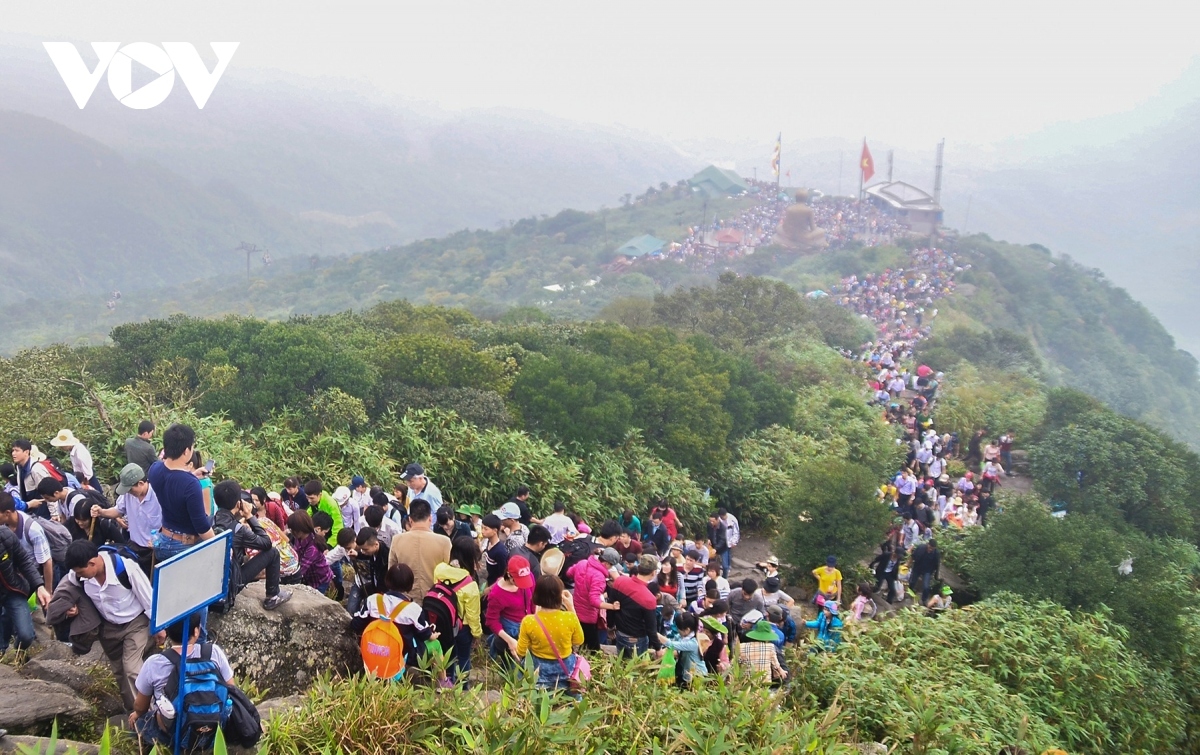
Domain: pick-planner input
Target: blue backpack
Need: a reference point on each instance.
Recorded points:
(119, 553)
(207, 704)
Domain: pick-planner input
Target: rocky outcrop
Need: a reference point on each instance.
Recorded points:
(14, 743)
(97, 685)
(33, 704)
(283, 650)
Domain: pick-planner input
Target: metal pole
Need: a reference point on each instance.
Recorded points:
(841, 158)
(178, 701)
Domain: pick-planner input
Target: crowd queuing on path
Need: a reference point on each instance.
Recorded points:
(923, 495)
(847, 220)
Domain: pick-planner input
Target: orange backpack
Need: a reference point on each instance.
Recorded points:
(382, 644)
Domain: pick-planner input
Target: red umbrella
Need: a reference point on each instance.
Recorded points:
(923, 371)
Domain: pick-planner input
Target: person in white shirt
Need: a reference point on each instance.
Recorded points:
(360, 494)
(81, 458)
(559, 524)
(123, 597)
(152, 683)
(138, 511)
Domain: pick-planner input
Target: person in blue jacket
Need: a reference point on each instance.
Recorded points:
(829, 627)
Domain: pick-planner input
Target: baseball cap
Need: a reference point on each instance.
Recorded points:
(610, 556)
(753, 616)
(412, 470)
(131, 474)
(831, 561)
(356, 481)
(774, 614)
(519, 572)
(509, 510)
(832, 606)
(647, 565)
(341, 495)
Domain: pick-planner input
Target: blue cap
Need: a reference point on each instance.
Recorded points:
(356, 481)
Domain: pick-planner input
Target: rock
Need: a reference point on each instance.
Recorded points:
(32, 703)
(101, 690)
(41, 745)
(283, 650)
(268, 709)
(75, 677)
(872, 748)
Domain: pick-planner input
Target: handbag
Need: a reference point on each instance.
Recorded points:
(574, 679)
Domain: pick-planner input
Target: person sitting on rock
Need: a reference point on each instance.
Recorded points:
(153, 716)
(235, 513)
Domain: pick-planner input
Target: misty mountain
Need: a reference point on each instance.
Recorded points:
(374, 172)
(78, 218)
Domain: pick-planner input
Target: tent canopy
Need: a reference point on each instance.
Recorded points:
(640, 246)
(718, 181)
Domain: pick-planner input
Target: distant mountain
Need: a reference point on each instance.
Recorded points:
(79, 219)
(375, 172)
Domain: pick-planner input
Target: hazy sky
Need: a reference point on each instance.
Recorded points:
(901, 72)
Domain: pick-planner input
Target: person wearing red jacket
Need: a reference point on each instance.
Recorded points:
(636, 618)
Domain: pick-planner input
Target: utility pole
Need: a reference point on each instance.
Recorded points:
(249, 249)
(937, 174)
(841, 157)
(891, 154)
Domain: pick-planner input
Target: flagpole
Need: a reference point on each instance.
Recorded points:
(779, 164)
(860, 170)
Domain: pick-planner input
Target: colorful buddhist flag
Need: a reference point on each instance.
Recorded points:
(866, 163)
(775, 157)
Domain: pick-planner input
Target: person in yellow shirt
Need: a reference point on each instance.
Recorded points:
(551, 634)
(829, 580)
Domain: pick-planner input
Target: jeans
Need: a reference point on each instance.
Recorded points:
(1006, 461)
(498, 648)
(164, 548)
(726, 562)
(462, 652)
(926, 579)
(15, 618)
(268, 560)
(628, 646)
(551, 674)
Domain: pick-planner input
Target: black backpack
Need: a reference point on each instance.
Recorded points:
(573, 552)
(244, 727)
(441, 606)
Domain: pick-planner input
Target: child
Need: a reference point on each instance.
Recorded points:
(370, 562)
(337, 556)
(863, 605)
(688, 662)
(713, 571)
(314, 569)
(414, 626)
(693, 576)
(153, 716)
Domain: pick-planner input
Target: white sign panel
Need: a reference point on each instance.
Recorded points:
(190, 581)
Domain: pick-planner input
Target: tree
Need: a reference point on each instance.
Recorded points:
(832, 509)
(1119, 469)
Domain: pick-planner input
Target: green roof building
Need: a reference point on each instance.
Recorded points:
(718, 182)
(640, 246)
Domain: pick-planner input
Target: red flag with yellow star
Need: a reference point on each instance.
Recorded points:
(866, 163)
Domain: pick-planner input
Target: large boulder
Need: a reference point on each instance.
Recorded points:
(95, 684)
(33, 704)
(283, 650)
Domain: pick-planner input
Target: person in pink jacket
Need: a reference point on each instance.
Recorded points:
(591, 580)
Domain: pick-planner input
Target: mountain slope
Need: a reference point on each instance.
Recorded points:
(77, 218)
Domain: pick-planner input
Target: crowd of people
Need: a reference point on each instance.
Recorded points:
(925, 498)
(705, 244)
(416, 574)
(847, 220)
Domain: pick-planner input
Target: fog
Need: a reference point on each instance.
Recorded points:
(908, 74)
